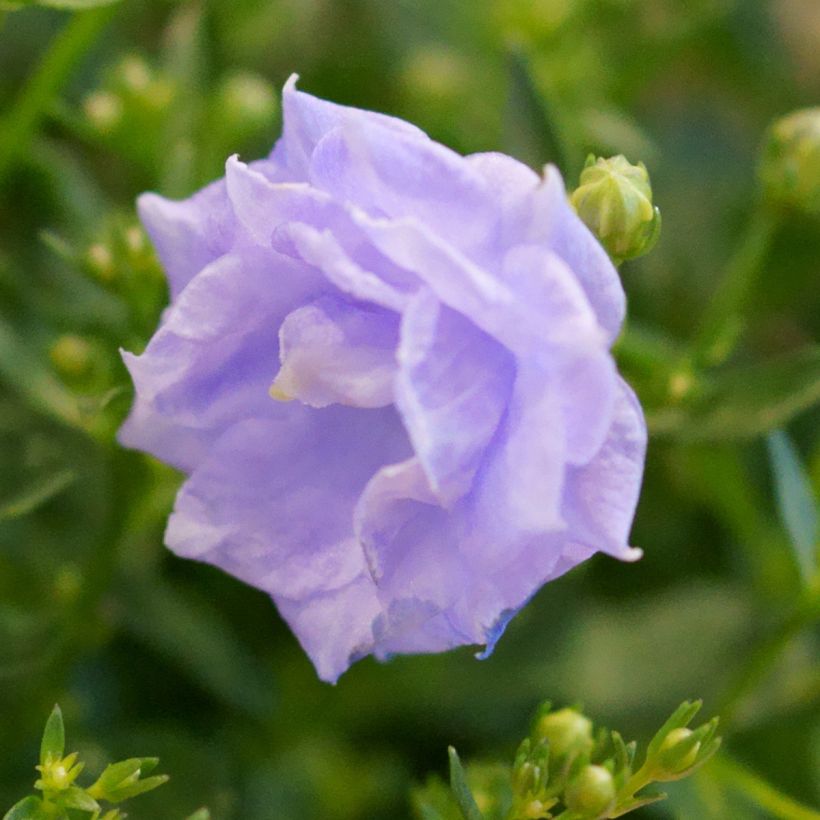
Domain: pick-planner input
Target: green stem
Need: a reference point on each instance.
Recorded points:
(764, 794)
(722, 321)
(67, 48)
(761, 661)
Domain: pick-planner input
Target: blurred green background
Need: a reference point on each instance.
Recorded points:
(150, 655)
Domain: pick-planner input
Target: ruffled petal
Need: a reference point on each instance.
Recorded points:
(451, 390)
(600, 497)
(273, 505)
(190, 234)
(307, 119)
(334, 351)
(546, 218)
(397, 175)
(212, 361)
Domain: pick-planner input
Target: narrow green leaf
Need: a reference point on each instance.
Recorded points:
(753, 787)
(461, 791)
(53, 743)
(200, 814)
(29, 808)
(532, 132)
(744, 402)
(53, 71)
(795, 501)
(36, 494)
(129, 790)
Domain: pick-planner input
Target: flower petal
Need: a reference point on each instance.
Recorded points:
(307, 119)
(190, 234)
(333, 351)
(451, 390)
(601, 496)
(398, 175)
(273, 505)
(546, 218)
(212, 361)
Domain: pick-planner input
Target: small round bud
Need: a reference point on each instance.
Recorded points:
(567, 730)
(673, 756)
(591, 793)
(100, 261)
(103, 110)
(135, 73)
(72, 356)
(614, 199)
(790, 162)
(246, 103)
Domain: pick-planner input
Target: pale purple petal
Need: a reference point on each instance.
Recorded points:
(273, 505)
(601, 496)
(452, 388)
(546, 218)
(334, 351)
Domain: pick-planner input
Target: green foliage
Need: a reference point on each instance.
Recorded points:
(148, 652)
(63, 799)
(559, 771)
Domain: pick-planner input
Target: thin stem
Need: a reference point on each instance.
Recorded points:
(67, 48)
(764, 794)
(722, 322)
(761, 661)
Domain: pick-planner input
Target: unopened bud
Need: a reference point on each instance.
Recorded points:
(614, 199)
(676, 754)
(72, 356)
(566, 730)
(591, 793)
(104, 110)
(790, 162)
(100, 261)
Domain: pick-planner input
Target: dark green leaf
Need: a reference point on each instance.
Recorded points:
(795, 502)
(52, 745)
(461, 791)
(744, 402)
(531, 131)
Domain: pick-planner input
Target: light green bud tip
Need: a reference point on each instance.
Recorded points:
(591, 793)
(614, 199)
(790, 162)
(674, 754)
(567, 730)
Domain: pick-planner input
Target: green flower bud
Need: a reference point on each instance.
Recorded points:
(567, 730)
(790, 162)
(614, 199)
(72, 357)
(677, 753)
(57, 775)
(591, 793)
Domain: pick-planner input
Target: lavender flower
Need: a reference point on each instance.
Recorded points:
(385, 371)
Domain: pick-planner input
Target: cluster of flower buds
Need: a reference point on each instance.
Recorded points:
(790, 162)
(614, 199)
(63, 798)
(568, 771)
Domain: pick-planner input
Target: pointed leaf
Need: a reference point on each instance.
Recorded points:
(461, 791)
(531, 132)
(36, 494)
(129, 790)
(29, 808)
(76, 798)
(795, 501)
(52, 745)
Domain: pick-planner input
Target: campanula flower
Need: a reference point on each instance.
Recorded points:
(386, 373)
